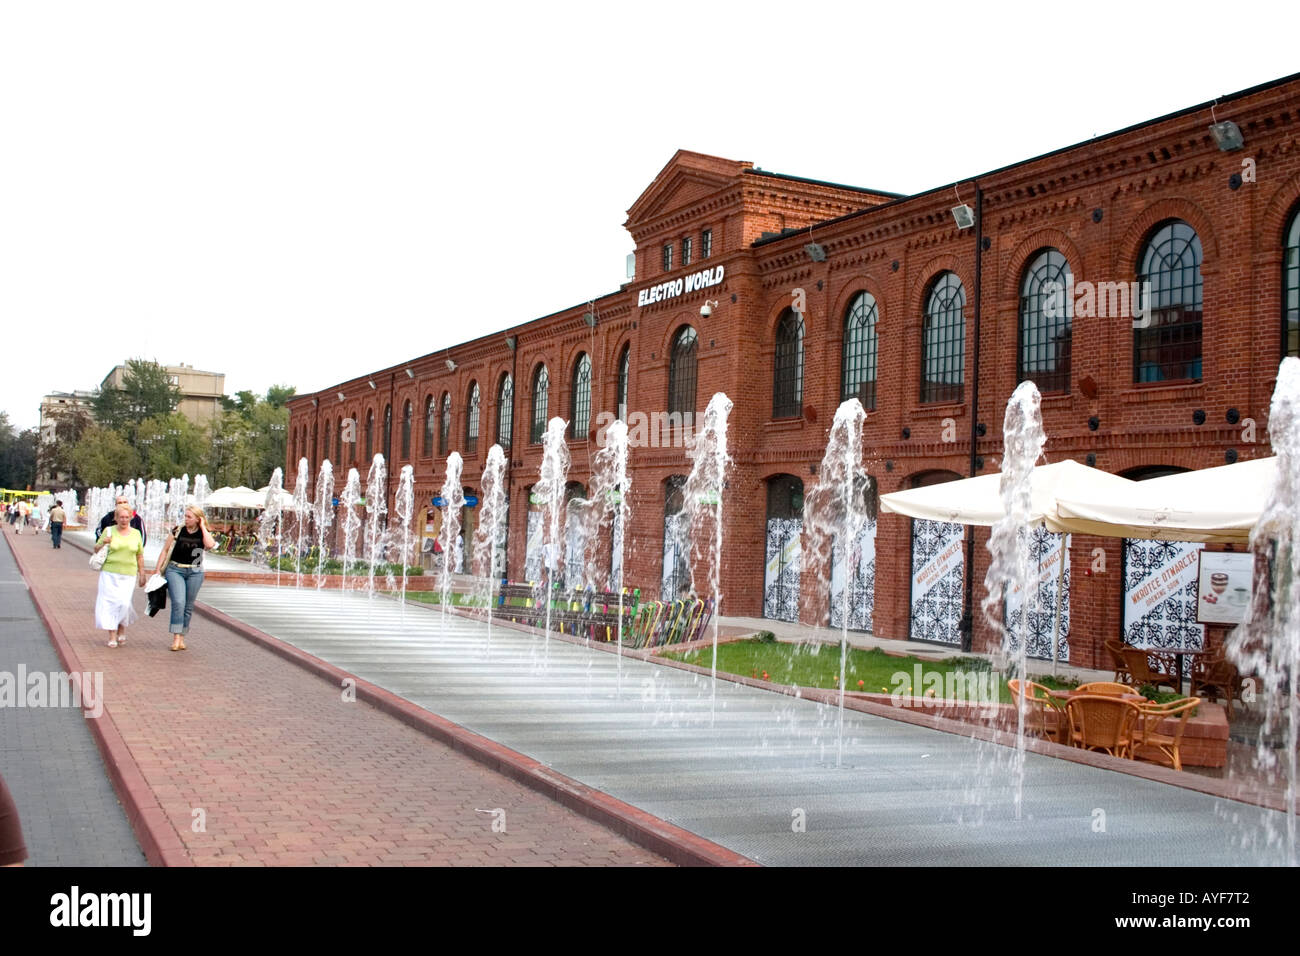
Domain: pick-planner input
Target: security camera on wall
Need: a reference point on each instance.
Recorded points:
(707, 308)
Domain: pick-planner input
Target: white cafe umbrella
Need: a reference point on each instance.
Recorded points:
(1218, 504)
(978, 501)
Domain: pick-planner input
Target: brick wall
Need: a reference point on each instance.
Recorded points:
(1096, 203)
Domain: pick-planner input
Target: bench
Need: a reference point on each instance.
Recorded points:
(589, 614)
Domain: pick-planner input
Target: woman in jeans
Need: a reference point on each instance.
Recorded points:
(183, 561)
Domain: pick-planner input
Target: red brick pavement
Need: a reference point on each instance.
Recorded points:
(284, 771)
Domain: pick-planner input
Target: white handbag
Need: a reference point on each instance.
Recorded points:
(97, 558)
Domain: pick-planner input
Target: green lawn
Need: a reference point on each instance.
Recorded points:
(818, 665)
(434, 597)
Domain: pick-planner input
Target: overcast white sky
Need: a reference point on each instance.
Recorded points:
(298, 192)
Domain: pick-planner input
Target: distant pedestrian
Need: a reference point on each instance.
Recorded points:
(38, 518)
(111, 517)
(24, 509)
(57, 517)
(113, 608)
(12, 848)
(181, 563)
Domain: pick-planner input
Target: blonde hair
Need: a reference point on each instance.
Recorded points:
(199, 514)
(120, 507)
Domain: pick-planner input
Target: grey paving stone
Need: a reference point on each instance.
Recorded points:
(69, 813)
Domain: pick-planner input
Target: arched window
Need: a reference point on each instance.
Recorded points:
(406, 430)
(681, 373)
(370, 434)
(676, 574)
(787, 367)
(428, 425)
(1167, 336)
(858, 363)
(315, 443)
(943, 341)
(388, 433)
(580, 407)
(471, 420)
(338, 441)
(541, 386)
(505, 411)
(1291, 288)
(444, 425)
(1046, 316)
(624, 375)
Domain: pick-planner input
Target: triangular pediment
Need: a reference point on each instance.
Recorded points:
(687, 178)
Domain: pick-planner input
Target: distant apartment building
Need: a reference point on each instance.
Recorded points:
(55, 407)
(200, 392)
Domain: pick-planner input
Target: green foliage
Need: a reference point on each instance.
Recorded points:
(172, 445)
(17, 455)
(146, 392)
(277, 395)
(248, 441)
(818, 665)
(104, 455)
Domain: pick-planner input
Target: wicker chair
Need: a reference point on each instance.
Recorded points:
(1140, 667)
(1105, 688)
(1149, 736)
(1116, 650)
(1037, 705)
(1216, 674)
(1102, 723)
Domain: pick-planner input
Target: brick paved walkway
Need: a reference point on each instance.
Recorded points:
(279, 769)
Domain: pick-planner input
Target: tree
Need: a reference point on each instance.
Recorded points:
(278, 395)
(103, 456)
(146, 392)
(172, 445)
(54, 457)
(17, 455)
(248, 441)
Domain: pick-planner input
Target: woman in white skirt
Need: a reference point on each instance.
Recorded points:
(122, 573)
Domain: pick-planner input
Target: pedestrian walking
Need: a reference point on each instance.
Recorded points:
(181, 564)
(113, 608)
(38, 518)
(24, 509)
(110, 518)
(57, 517)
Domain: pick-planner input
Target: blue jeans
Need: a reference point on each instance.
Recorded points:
(56, 533)
(182, 588)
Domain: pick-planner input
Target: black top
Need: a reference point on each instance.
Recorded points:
(111, 518)
(189, 546)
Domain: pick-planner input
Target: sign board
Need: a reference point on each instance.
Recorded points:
(439, 502)
(471, 501)
(1223, 587)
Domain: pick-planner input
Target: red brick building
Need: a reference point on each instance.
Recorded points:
(1147, 280)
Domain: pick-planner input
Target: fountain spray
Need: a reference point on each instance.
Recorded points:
(837, 514)
(324, 514)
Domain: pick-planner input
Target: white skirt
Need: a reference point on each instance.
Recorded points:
(113, 604)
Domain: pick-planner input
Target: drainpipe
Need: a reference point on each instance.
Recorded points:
(510, 470)
(968, 616)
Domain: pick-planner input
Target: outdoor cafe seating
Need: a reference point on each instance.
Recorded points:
(1106, 717)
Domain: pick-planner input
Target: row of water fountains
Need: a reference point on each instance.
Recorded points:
(160, 504)
(836, 510)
